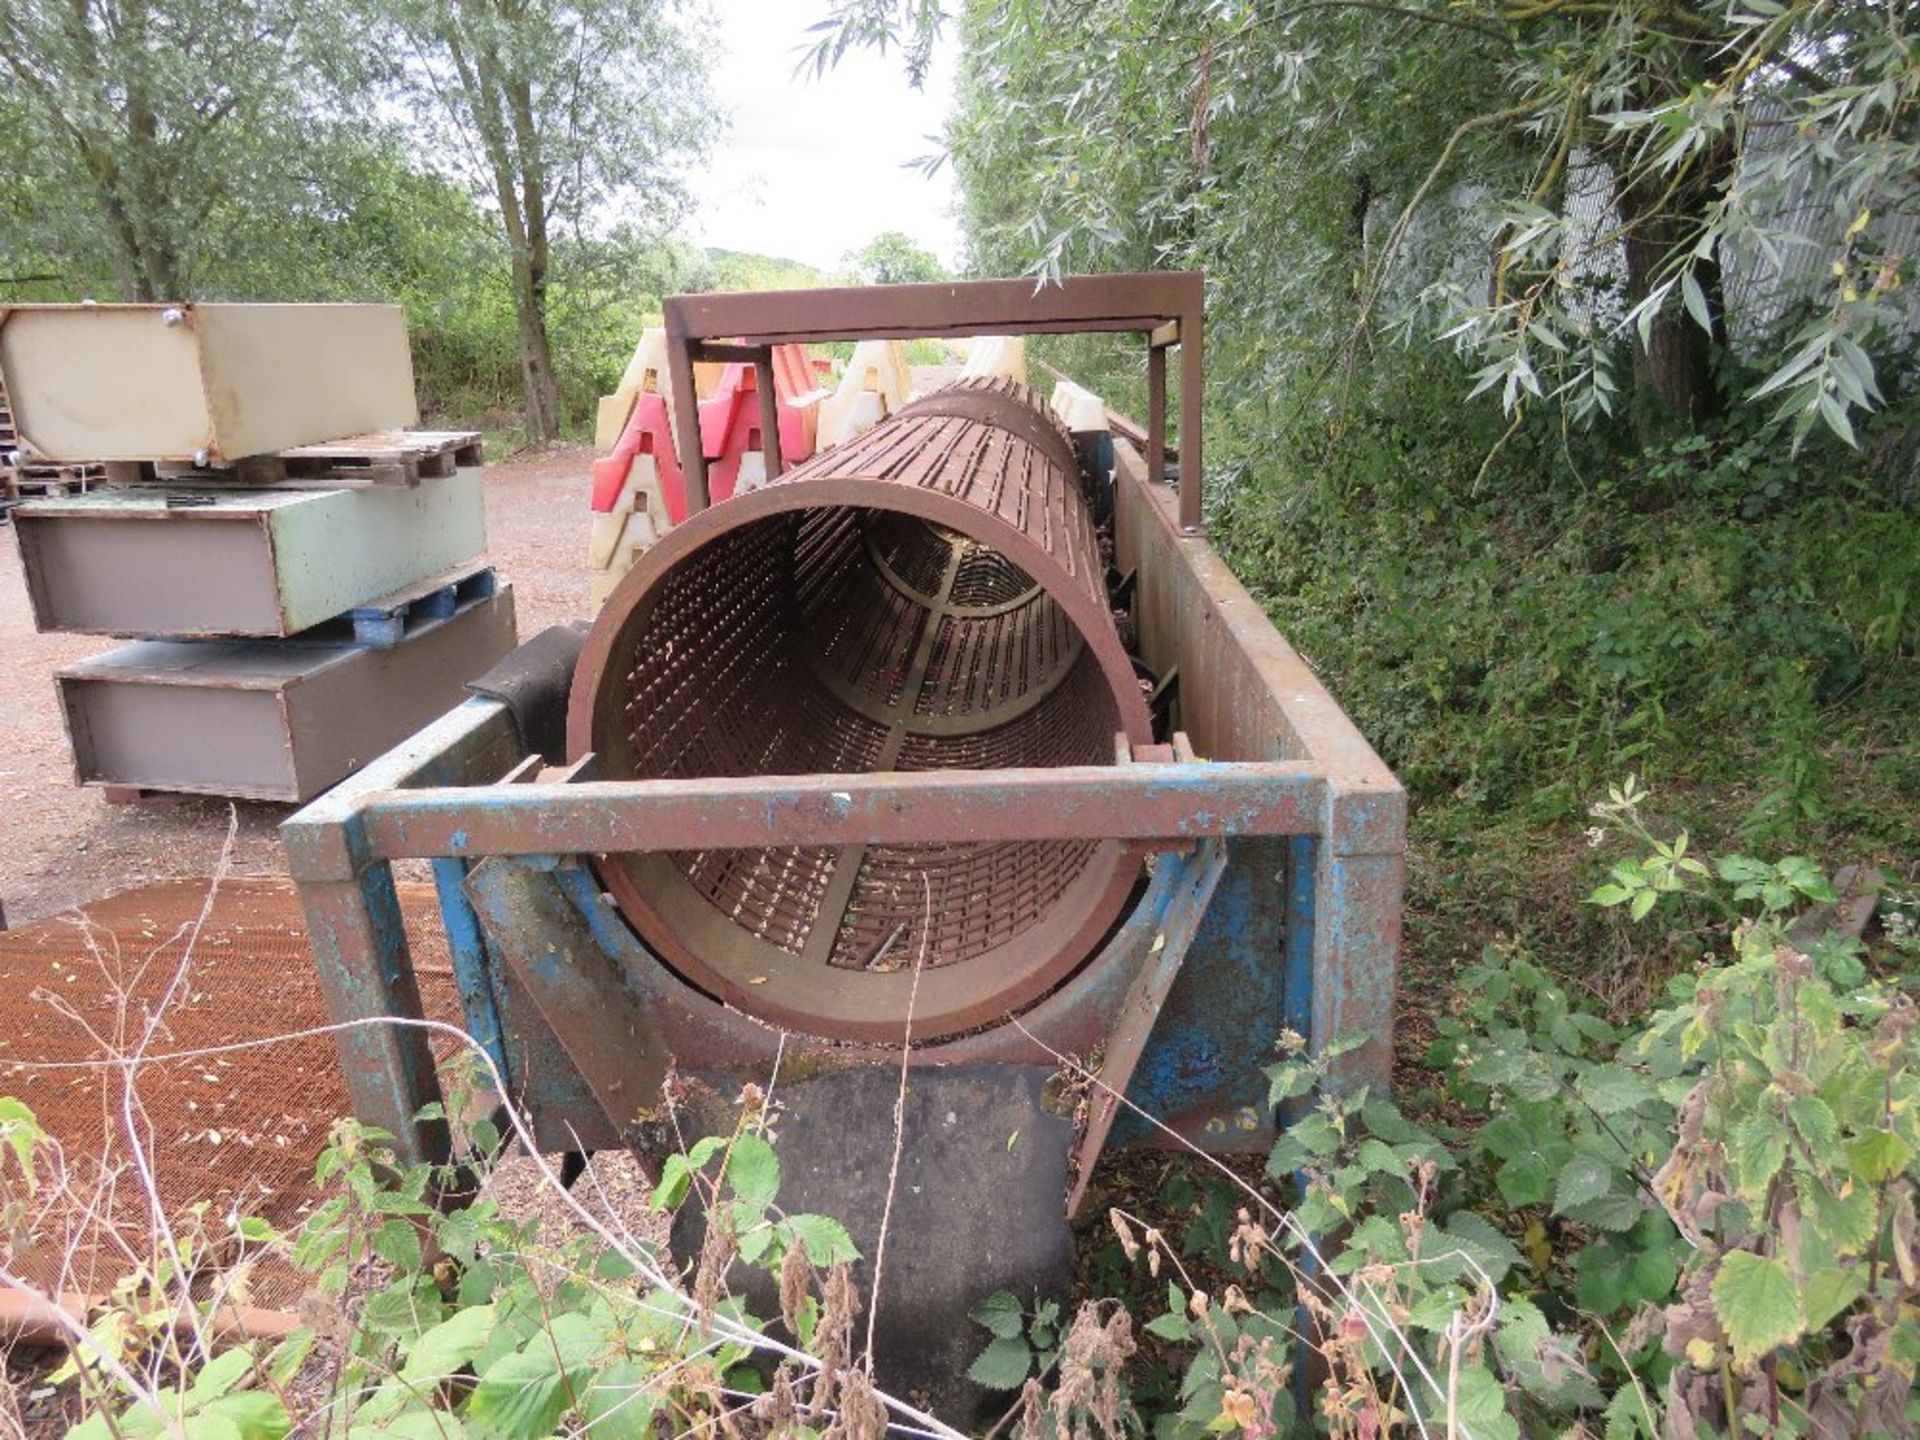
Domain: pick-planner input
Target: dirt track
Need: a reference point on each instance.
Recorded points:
(61, 845)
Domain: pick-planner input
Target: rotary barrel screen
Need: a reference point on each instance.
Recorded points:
(927, 597)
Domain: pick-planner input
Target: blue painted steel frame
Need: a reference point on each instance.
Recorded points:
(473, 969)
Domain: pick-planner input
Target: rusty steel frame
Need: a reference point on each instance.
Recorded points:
(1165, 306)
(1314, 824)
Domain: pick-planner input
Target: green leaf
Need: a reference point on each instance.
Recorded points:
(520, 1397)
(402, 1310)
(1628, 1417)
(1654, 1273)
(753, 1170)
(575, 1338)
(1524, 1180)
(1003, 1365)
(1583, 1178)
(1479, 1238)
(255, 1414)
(1759, 1148)
(616, 1402)
(676, 1175)
(827, 1240)
(1756, 1303)
(1615, 1211)
(1815, 1121)
(289, 1355)
(1878, 1155)
(1846, 1223)
(21, 1130)
(444, 1350)
(1642, 904)
(1315, 1134)
(1695, 300)
(1001, 1315)
(1481, 1406)
(255, 1231)
(398, 1243)
(1614, 1089)
(1828, 1292)
(1609, 895)
(1170, 1326)
(412, 1425)
(220, 1374)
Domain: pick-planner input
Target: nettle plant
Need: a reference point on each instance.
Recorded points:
(1700, 1224)
(458, 1319)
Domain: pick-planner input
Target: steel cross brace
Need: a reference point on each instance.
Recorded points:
(618, 1028)
(1133, 1026)
(1167, 308)
(1174, 802)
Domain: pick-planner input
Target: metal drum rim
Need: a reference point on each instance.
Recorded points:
(1073, 935)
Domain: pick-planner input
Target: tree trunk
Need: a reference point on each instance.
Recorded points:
(536, 351)
(1673, 370)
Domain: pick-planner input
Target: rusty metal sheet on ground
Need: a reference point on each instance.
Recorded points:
(239, 1131)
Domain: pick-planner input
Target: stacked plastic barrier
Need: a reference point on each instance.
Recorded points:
(638, 491)
(638, 494)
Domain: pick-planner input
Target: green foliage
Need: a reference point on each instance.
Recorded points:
(1699, 1223)
(893, 258)
(253, 152)
(1020, 1343)
(463, 1320)
(1709, 611)
(549, 112)
(1552, 192)
(139, 132)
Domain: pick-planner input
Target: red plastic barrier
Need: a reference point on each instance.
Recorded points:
(729, 428)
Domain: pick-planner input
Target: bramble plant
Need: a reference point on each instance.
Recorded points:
(458, 1319)
(1700, 1224)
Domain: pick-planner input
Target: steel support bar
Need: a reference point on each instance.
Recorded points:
(1133, 1025)
(1142, 301)
(1157, 802)
(471, 964)
(1192, 395)
(573, 981)
(1157, 414)
(1356, 940)
(1161, 306)
(360, 951)
(769, 411)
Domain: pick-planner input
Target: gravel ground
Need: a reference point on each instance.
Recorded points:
(62, 845)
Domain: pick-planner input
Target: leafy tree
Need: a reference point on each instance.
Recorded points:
(554, 112)
(892, 258)
(1545, 183)
(145, 119)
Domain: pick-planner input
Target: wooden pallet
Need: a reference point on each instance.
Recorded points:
(393, 457)
(384, 623)
(39, 481)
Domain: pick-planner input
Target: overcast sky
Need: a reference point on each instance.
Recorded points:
(810, 169)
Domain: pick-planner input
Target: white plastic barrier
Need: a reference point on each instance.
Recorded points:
(1003, 356)
(875, 383)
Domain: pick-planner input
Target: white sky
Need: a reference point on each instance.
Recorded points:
(812, 168)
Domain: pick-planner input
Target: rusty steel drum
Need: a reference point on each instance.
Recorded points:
(930, 595)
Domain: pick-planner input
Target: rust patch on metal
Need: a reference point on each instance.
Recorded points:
(239, 1132)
